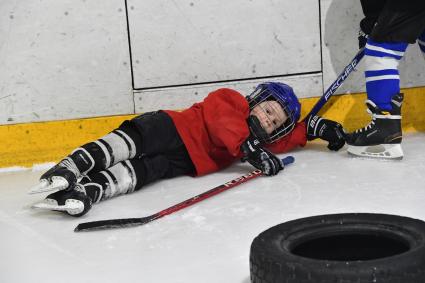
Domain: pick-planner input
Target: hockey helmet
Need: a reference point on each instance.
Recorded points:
(285, 96)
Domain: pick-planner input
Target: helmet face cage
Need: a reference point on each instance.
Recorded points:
(285, 96)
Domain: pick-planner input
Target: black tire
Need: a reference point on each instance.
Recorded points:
(341, 248)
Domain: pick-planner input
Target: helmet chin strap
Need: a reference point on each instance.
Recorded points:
(256, 129)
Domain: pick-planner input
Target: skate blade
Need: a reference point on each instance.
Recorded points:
(58, 183)
(71, 206)
(381, 151)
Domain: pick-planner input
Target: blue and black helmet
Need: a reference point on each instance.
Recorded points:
(282, 93)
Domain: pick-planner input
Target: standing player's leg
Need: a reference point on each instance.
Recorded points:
(382, 136)
(400, 23)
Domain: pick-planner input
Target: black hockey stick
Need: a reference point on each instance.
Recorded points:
(336, 84)
(130, 222)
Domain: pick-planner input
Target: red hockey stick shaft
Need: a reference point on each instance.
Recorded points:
(129, 222)
(210, 193)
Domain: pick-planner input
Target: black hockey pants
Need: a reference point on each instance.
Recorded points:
(161, 153)
(394, 20)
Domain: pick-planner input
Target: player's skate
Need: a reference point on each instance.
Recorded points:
(382, 137)
(76, 202)
(64, 175)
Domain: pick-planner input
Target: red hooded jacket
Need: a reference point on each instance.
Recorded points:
(214, 130)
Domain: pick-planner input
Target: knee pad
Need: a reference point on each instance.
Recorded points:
(381, 72)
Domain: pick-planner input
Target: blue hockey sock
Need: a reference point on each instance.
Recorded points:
(382, 76)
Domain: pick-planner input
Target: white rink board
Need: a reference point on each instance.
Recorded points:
(340, 25)
(70, 59)
(183, 97)
(63, 59)
(188, 42)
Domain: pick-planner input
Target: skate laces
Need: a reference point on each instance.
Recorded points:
(370, 105)
(69, 164)
(80, 188)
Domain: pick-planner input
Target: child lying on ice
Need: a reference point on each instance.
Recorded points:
(202, 139)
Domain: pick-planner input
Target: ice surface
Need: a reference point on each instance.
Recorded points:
(208, 242)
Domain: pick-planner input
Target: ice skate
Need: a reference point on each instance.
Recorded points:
(382, 137)
(65, 174)
(62, 176)
(76, 202)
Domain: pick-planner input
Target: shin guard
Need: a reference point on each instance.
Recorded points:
(116, 180)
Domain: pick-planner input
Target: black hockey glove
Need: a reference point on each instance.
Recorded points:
(366, 27)
(261, 158)
(362, 37)
(328, 130)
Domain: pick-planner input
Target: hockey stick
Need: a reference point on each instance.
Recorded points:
(130, 222)
(336, 84)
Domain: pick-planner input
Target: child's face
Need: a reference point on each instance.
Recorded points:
(270, 114)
